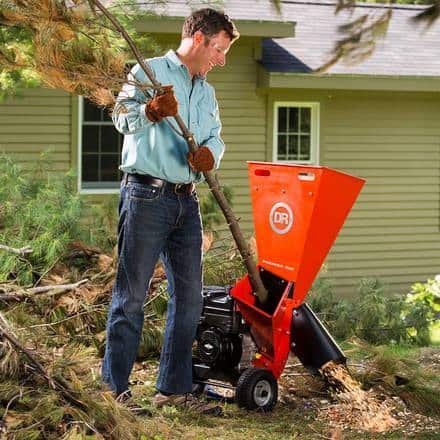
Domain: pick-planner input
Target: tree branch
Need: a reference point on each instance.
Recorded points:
(55, 384)
(20, 251)
(19, 295)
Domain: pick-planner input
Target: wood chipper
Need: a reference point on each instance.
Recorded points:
(244, 344)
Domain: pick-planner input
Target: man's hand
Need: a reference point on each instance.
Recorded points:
(162, 105)
(202, 160)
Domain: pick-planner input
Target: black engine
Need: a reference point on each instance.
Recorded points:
(219, 334)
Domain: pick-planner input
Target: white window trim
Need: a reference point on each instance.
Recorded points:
(80, 130)
(314, 135)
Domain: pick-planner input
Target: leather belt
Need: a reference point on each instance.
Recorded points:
(146, 179)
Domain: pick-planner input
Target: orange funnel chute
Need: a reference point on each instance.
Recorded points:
(298, 212)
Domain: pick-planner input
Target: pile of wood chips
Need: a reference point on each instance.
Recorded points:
(355, 407)
(349, 407)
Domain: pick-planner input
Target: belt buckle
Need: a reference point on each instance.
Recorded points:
(178, 187)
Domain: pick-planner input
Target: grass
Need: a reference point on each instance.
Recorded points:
(298, 419)
(288, 421)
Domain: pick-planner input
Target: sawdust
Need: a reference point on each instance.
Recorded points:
(354, 406)
(349, 407)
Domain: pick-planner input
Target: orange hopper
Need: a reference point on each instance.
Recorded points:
(298, 212)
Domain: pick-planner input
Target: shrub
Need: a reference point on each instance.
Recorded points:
(210, 210)
(376, 316)
(423, 309)
(37, 209)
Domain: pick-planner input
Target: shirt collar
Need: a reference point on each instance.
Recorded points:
(174, 63)
(173, 60)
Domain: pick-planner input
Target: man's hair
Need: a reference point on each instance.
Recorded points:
(209, 22)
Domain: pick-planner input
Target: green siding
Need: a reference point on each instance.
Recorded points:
(243, 112)
(392, 139)
(37, 120)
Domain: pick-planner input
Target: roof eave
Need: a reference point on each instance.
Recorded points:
(158, 24)
(289, 80)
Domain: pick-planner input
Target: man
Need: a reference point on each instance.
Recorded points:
(159, 210)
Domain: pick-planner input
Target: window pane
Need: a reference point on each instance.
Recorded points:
(109, 167)
(91, 112)
(109, 139)
(293, 119)
(305, 148)
(282, 139)
(90, 138)
(101, 149)
(282, 116)
(293, 147)
(90, 164)
(305, 120)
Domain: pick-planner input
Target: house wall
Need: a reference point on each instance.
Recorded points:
(391, 139)
(243, 113)
(37, 120)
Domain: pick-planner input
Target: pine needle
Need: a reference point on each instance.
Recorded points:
(73, 50)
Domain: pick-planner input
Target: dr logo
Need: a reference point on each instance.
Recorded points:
(281, 218)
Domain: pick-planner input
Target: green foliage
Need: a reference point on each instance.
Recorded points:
(376, 316)
(423, 306)
(210, 210)
(222, 264)
(102, 230)
(39, 210)
(81, 33)
(15, 40)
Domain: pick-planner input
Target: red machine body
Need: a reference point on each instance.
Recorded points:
(298, 212)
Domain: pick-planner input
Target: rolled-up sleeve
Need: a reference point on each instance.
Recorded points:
(129, 112)
(212, 122)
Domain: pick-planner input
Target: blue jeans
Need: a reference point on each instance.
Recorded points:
(155, 222)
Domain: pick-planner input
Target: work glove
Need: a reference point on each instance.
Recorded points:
(162, 105)
(202, 160)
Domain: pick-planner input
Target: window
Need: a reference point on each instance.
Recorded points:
(296, 132)
(100, 149)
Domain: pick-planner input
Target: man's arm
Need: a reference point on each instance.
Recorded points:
(129, 113)
(212, 120)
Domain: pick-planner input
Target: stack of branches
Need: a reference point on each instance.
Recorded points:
(73, 48)
(54, 295)
(53, 310)
(77, 311)
(51, 344)
(52, 394)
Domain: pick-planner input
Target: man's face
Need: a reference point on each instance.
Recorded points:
(210, 51)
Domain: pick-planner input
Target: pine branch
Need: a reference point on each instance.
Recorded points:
(20, 251)
(56, 384)
(130, 42)
(69, 318)
(360, 41)
(361, 34)
(19, 295)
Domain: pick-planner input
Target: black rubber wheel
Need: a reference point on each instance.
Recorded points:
(257, 389)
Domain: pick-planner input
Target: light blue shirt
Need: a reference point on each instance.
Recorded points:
(155, 148)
